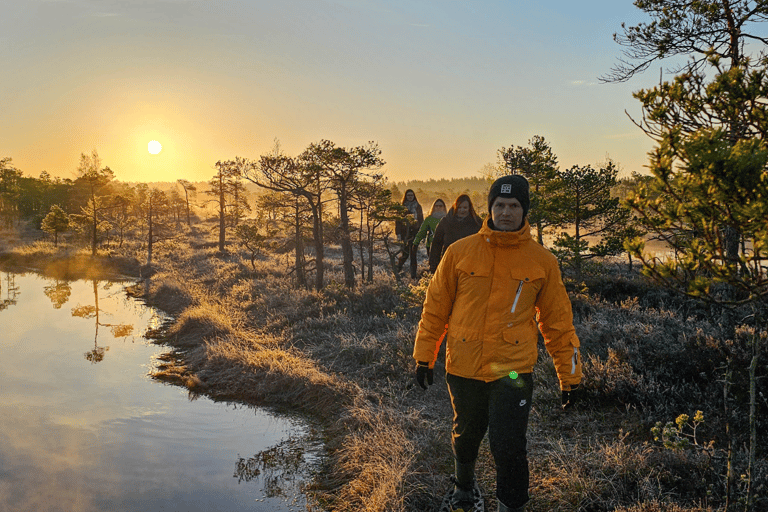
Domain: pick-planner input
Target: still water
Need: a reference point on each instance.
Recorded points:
(83, 428)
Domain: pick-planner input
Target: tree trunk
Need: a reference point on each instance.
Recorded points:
(371, 233)
(222, 211)
(577, 256)
(393, 260)
(150, 236)
(346, 244)
(94, 225)
(539, 229)
(301, 278)
(186, 198)
(317, 233)
(730, 474)
(753, 413)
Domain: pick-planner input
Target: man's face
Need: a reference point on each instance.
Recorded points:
(507, 214)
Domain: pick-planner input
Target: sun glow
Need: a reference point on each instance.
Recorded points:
(154, 147)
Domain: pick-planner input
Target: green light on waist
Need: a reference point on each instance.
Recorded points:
(513, 375)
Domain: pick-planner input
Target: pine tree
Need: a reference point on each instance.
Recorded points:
(55, 222)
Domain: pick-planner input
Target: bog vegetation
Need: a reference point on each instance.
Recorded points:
(291, 296)
(664, 423)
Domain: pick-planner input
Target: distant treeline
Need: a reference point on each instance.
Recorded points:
(327, 194)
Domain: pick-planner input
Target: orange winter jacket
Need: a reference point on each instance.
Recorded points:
(496, 290)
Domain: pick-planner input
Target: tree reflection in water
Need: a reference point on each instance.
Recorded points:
(96, 355)
(280, 467)
(59, 293)
(11, 291)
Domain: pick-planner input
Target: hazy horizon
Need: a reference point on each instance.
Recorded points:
(440, 86)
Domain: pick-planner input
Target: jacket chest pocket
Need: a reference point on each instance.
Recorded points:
(524, 288)
(472, 276)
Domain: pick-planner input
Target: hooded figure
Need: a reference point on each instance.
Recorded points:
(406, 230)
(460, 221)
(427, 229)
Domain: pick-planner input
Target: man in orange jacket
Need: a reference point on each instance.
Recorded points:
(496, 290)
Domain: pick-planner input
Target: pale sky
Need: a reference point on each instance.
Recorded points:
(441, 85)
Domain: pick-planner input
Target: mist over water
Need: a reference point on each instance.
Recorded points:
(84, 427)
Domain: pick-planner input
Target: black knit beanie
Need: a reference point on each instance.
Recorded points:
(511, 186)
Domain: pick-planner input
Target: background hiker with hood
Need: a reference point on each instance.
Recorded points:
(460, 221)
(496, 290)
(406, 230)
(427, 230)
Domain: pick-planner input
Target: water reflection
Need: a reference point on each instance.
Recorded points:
(279, 467)
(120, 330)
(59, 292)
(11, 291)
(79, 436)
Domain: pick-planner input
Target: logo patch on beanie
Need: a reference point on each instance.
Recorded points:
(506, 188)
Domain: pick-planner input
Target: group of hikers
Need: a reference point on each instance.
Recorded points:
(492, 291)
(438, 230)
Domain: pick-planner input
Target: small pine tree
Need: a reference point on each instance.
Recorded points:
(55, 222)
(583, 201)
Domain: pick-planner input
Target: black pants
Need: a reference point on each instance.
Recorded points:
(409, 252)
(501, 408)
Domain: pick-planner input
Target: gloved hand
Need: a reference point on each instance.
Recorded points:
(423, 371)
(570, 397)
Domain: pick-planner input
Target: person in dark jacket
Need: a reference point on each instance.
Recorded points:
(406, 230)
(461, 221)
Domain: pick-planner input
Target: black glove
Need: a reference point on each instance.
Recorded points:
(570, 397)
(423, 370)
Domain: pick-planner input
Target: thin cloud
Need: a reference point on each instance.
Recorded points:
(582, 83)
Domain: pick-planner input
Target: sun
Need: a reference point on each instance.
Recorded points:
(154, 147)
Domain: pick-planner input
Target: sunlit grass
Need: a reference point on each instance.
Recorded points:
(69, 261)
(343, 359)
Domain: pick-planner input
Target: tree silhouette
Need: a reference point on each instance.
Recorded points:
(583, 201)
(11, 291)
(538, 164)
(10, 192)
(299, 177)
(189, 189)
(345, 169)
(371, 199)
(57, 221)
(93, 311)
(59, 293)
(695, 30)
(95, 182)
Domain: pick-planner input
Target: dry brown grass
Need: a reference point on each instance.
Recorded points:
(343, 359)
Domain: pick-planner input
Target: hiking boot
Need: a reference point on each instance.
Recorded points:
(463, 499)
(504, 508)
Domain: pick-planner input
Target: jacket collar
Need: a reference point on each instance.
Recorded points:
(505, 238)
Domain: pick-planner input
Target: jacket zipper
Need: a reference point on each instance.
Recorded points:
(517, 296)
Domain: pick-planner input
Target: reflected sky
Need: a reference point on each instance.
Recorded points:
(93, 434)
